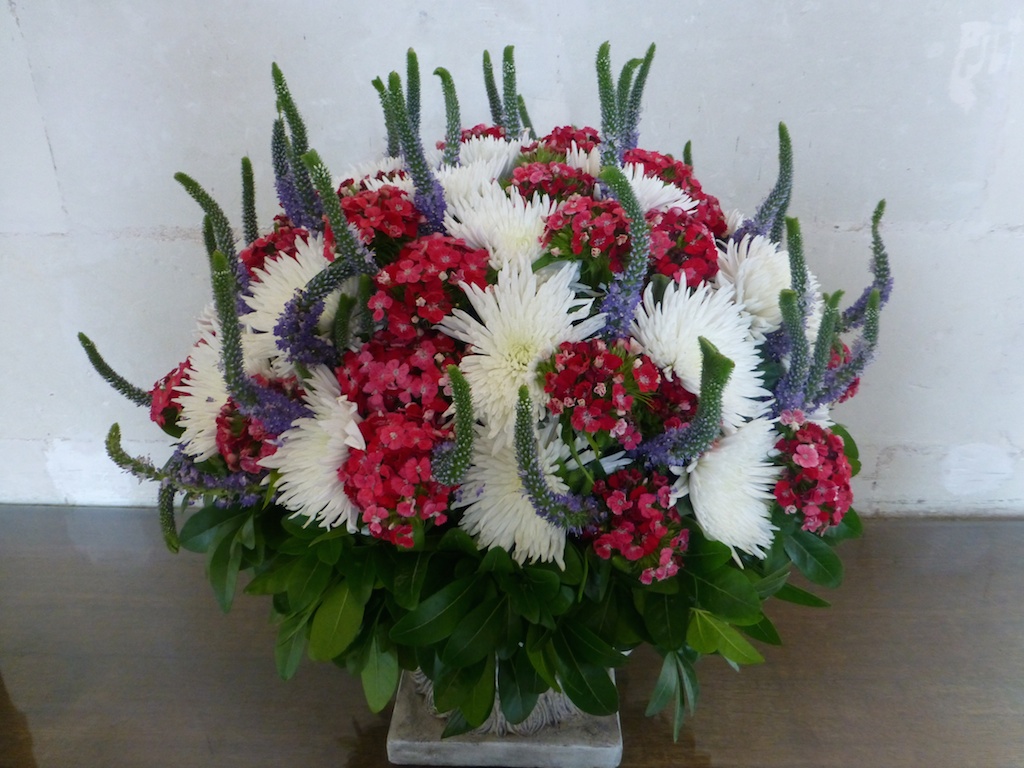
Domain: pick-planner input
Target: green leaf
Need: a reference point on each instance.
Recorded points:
(728, 594)
(454, 685)
(666, 688)
(573, 573)
(222, 569)
(851, 527)
(336, 623)
(814, 558)
(517, 684)
(707, 556)
(290, 645)
(436, 618)
(764, 631)
(360, 570)
(688, 678)
(770, 583)
(478, 705)
(379, 676)
(274, 579)
(562, 601)
(307, 581)
(589, 646)
(793, 594)
(410, 572)
(587, 685)
(708, 634)
(201, 529)
(665, 617)
(457, 540)
(456, 725)
(477, 635)
(542, 656)
(497, 560)
(521, 599)
(545, 583)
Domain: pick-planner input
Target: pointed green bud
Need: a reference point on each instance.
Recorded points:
(136, 394)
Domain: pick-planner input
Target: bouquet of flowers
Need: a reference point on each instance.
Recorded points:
(504, 409)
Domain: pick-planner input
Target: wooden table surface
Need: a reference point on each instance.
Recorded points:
(113, 653)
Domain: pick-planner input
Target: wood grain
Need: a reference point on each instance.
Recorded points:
(114, 653)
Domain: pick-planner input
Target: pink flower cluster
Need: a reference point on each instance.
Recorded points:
(556, 180)
(589, 228)
(397, 380)
(398, 389)
(280, 242)
(644, 524)
(815, 481)
(593, 387)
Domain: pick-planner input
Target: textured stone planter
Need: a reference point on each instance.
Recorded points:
(576, 740)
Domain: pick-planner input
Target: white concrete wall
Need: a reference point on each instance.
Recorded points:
(921, 103)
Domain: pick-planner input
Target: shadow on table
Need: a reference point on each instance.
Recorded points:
(15, 737)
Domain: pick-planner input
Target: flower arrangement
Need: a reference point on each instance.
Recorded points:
(507, 408)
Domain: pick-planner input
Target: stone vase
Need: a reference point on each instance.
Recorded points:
(556, 735)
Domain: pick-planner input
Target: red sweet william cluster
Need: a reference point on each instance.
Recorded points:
(815, 481)
(399, 390)
(589, 229)
(643, 524)
(556, 180)
(397, 378)
(561, 139)
(421, 285)
(242, 441)
(274, 245)
(682, 247)
(594, 388)
(671, 171)
(164, 408)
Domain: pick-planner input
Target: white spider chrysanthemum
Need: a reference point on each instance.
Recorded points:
(588, 162)
(521, 322)
(204, 393)
(756, 270)
(653, 194)
(497, 511)
(730, 488)
(504, 223)
(464, 185)
(313, 449)
(275, 284)
(367, 174)
(404, 183)
(490, 149)
(734, 219)
(668, 331)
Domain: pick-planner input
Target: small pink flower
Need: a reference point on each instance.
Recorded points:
(806, 456)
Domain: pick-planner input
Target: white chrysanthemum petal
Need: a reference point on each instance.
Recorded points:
(734, 219)
(204, 393)
(489, 149)
(668, 331)
(654, 194)
(464, 185)
(756, 271)
(388, 166)
(521, 323)
(497, 511)
(731, 485)
(275, 284)
(504, 223)
(403, 183)
(313, 449)
(588, 162)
